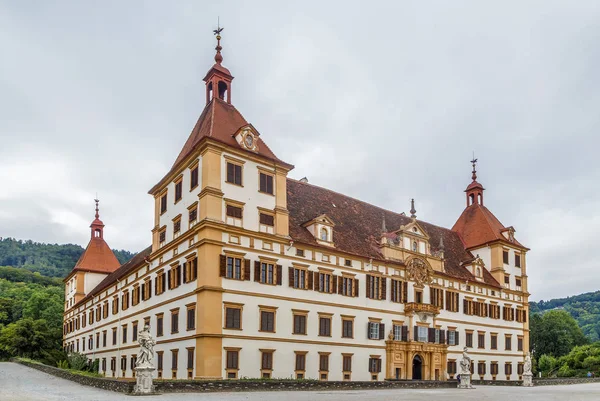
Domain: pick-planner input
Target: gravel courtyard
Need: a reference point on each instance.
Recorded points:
(18, 382)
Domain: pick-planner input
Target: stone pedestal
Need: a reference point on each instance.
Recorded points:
(527, 379)
(465, 380)
(143, 385)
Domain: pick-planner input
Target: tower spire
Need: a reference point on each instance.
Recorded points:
(474, 172)
(217, 32)
(97, 210)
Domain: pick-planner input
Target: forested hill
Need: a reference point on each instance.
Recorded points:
(585, 308)
(51, 260)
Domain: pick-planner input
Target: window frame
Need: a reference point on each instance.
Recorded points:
(267, 175)
(263, 312)
(233, 307)
(236, 164)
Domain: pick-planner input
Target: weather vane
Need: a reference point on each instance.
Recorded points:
(219, 29)
(474, 162)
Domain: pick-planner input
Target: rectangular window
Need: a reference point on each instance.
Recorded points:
(399, 291)
(481, 368)
(134, 330)
(124, 363)
(505, 257)
(194, 178)
(175, 321)
(347, 363)
(125, 300)
(347, 286)
(517, 260)
(267, 273)
(233, 268)
(300, 252)
(325, 282)
(376, 287)
(494, 368)
(300, 362)
(174, 355)
(163, 203)
(520, 368)
(233, 318)
(469, 340)
(481, 340)
(266, 219)
(508, 369)
(115, 305)
(452, 301)
(518, 282)
(174, 279)
(191, 318)
(436, 297)
(178, 191)
(451, 367)
(324, 362)
(266, 183)
(234, 173)
(193, 215)
(159, 325)
(190, 358)
(452, 337)
(507, 343)
(232, 359)
(267, 360)
(347, 328)
(234, 211)
(506, 279)
(104, 338)
(177, 226)
(267, 321)
(297, 278)
(191, 270)
(374, 365)
(494, 341)
(325, 326)
(124, 334)
(422, 334)
(519, 343)
(299, 324)
(114, 336)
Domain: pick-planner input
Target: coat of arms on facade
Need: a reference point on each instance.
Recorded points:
(419, 271)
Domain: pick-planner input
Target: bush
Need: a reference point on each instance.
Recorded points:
(546, 363)
(62, 364)
(77, 361)
(565, 371)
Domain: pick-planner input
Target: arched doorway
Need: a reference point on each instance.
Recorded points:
(417, 368)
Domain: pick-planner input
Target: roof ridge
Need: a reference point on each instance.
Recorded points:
(369, 204)
(212, 117)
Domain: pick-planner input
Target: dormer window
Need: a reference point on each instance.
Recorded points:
(321, 228)
(324, 234)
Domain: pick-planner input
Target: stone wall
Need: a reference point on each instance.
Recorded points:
(211, 386)
(99, 382)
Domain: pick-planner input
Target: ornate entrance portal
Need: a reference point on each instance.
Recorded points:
(417, 368)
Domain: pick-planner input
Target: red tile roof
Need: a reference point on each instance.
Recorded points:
(97, 258)
(129, 266)
(478, 226)
(358, 227)
(219, 121)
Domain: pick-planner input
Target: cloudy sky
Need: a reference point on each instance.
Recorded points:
(383, 103)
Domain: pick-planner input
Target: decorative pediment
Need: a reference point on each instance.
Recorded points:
(477, 267)
(247, 137)
(413, 229)
(321, 227)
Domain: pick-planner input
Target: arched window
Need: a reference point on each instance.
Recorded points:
(324, 234)
(471, 199)
(479, 272)
(479, 199)
(97, 233)
(415, 246)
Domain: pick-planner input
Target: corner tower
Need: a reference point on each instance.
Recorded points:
(96, 262)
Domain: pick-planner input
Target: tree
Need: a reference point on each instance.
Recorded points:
(554, 333)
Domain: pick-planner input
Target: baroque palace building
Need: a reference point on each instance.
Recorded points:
(254, 274)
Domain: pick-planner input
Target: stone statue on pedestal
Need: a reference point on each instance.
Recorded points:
(527, 373)
(465, 370)
(144, 366)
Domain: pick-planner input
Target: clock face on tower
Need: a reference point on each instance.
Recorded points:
(249, 141)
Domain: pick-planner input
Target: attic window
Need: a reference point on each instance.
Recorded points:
(479, 272)
(324, 234)
(415, 229)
